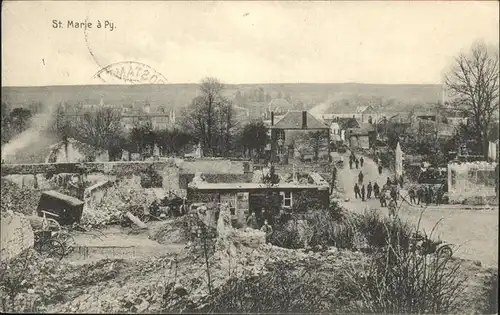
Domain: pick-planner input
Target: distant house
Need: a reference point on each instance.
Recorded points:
(361, 137)
(293, 133)
(338, 127)
(365, 114)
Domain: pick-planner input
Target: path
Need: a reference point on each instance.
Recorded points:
(475, 231)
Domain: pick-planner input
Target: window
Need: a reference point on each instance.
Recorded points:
(286, 199)
(230, 199)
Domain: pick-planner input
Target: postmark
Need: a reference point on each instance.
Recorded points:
(131, 72)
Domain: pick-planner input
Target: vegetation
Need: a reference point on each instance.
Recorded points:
(473, 81)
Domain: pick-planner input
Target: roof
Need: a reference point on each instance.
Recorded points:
(362, 109)
(279, 102)
(227, 186)
(71, 200)
(293, 120)
(343, 122)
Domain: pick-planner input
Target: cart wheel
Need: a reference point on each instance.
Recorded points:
(444, 252)
(56, 249)
(66, 240)
(53, 225)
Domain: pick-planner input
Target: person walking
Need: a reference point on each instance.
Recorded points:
(369, 190)
(360, 177)
(383, 202)
(376, 190)
(394, 194)
(361, 161)
(363, 193)
(357, 163)
(431, 194)
(380, 169)
(350, 163)
(356, 191)
(420, 195)
(411, 193)
(392, 208)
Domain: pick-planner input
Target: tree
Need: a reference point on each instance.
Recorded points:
(173, 141)
(473, 81)
(254, 137)
(143, 138)
(99, 128)
(317, 140)
(210, 118)
(19, 119)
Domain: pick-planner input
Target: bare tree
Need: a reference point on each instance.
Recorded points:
(99, 128)
(473, 80)
(209, 117)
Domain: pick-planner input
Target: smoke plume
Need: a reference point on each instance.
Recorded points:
(31, 137)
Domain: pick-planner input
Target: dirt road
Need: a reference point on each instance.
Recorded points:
(475, 232)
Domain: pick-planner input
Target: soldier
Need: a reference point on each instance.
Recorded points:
(383, 202)
(357, 163)
(411, 193)
(361, 161)
(376, 190)
(360, 177)
(380, 169)
(356, 191)
(388, 183)
(430, 194)
(350, 162)
(392, 208)
(369, 190)
(363, 193)
(420, 195)
(252, 221)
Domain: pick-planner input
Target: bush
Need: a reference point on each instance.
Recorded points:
(284, 289)
(400, 280)
(286, 235)
(378, 230)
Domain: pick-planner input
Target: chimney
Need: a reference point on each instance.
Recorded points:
(304, 119)
(272, 118)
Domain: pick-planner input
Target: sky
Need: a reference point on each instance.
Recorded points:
(243, 42)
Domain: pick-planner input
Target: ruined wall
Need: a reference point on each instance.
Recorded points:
(17, 235)
(214, 166)
(472, 183)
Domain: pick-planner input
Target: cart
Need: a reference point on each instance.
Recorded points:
(51, 240)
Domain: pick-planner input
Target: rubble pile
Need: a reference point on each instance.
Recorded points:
(116, 200)
(22, 200)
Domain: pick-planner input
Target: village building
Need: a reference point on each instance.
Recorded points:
(247, 193)
(362, 137)
(298, 134)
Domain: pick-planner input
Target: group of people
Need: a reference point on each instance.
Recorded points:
(259, 220)
(362, 192)
(426, 195)
(354, 160)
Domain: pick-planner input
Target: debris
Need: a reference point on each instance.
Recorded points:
(136, 220)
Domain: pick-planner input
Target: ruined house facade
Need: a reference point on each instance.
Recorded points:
(299, 135)
(245, 196)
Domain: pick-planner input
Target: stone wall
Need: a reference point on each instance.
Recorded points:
(472, 183)
(17, 235)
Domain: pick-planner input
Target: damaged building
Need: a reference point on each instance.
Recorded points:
(247, 193)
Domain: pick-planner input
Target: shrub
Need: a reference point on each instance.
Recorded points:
(400, 280)
(286, 235)
(284, 289)
(378, 230)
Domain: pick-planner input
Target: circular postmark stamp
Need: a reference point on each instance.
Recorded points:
(130, 72)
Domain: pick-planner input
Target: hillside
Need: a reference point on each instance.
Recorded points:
(179, 95)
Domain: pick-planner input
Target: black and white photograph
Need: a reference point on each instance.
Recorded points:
(247, 157)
